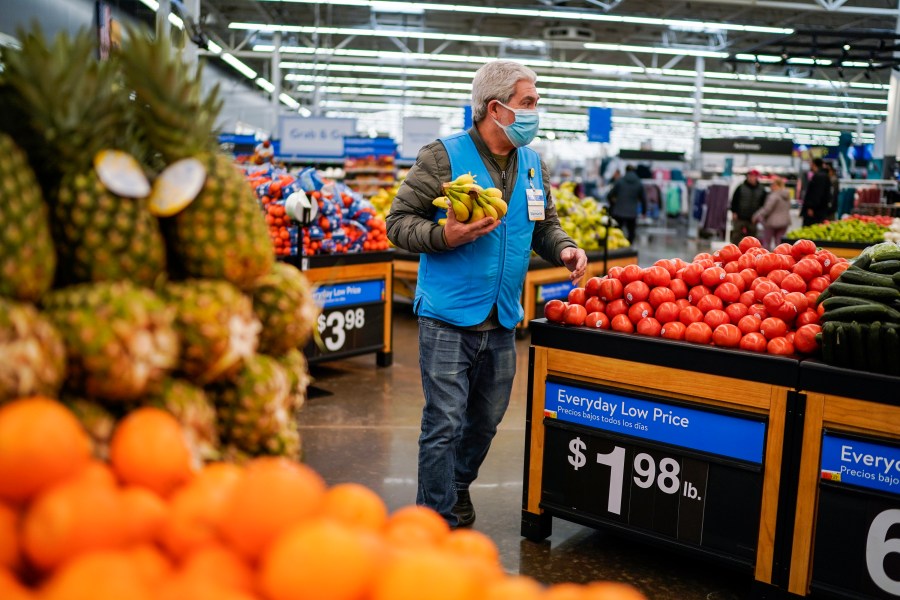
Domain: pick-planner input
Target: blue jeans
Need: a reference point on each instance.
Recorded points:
(467, 378)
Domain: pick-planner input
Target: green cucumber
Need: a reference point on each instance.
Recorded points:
(866, 278)
(874, 351)
(856, 335)
(896, 278)
(842, 301)
(891, 345)
(885, 251)
(871, 292)
(866, 313)
(823, 296)
(841, 346)
(828, 341)
(888, 267)
(863, 260)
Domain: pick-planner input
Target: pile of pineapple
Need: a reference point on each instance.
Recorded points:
(135, 264)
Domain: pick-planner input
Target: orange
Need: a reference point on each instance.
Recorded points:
(148, 448)
(477, 549)
(219, 563)
(41, 443)
(316, 560)
(565, 591)
(145, 514)
(95, 472)
(425, 575)
(10, 552)
(153, 567)
(12, 589)
(196, 588)
(271, 495)
(514, 587)
(413, 526)
(611, 590)
(97, 576)
(70, 519)
(356, 505)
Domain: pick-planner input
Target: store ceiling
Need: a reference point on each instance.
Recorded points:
(636, 56)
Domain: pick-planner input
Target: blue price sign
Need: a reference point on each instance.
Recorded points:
(554, 291)
(350, 294)
(865, 464)
(716, 433)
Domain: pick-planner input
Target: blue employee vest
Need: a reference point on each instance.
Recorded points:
(460, 286)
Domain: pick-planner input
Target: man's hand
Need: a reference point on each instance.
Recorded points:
(809, 212)
(457, 233)
(575, 260)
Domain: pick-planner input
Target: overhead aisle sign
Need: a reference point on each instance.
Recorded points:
(313, 136)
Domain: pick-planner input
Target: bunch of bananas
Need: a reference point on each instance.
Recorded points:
(469, 201)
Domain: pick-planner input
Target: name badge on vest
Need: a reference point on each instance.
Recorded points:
(535, 199)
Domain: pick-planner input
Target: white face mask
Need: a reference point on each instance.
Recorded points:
(523, 130)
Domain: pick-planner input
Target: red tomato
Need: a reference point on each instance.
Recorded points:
(555, 311)
(728, 292)
(786, 311)
(597, 320)
(820, 310)
(656, 276)
(748, 298)
(673, 331)
(716, 317)
(784, 248)
(709, 302)
(575, 314)
(636, 291)
(611, 289)
(808, 269)
(649, 326)
(787, 261)
(640, 311)
(747, 261)
(819, 284)
(703, 256)
(736, 312)
(813, 297)
(692, 273)
(737, 280)
(757, 251)
(728, 253)
(592, 286)
(697, 292)
(622, 323)
(679, 263)
(667, 312)
(749, 323)
(793, 283)
(767, 263)
(679, 287)
(706, 263)
(615, 272)
(757, 309)
(616, 307)
(805, 339)
(731, 267)
(807, 317)
(667, 264)
(727, 336)
(699, 333)
(837, 269)
(690, 314)
(658, 295)
(803, 247)
(798, 299)
(577, 296)
(749, 242)
(790, 336)
(765, 287)
(773, 300)
(755, 342)
(682, 302)
(778, 275)
(773, 327)
(780, 345)
(631, 273)
(758, 281)
(594, 304)
(828, 259)
(713, 276)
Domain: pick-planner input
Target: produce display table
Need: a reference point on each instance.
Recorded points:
(670, 442)
(543, 282)
(846, 538)
(354, 291)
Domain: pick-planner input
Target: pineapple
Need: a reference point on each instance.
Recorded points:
(255, 412)
(32, 355)
(294, 363)
(119, 338)
(97, 421)
(194, 410)
(74, 107)
(222, 233)
(283, 301)
(216, 328)
(27, 259)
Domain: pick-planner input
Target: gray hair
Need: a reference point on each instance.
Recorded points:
(496, 81)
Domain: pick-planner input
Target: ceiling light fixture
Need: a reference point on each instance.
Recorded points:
(656, 50)
(397, 33)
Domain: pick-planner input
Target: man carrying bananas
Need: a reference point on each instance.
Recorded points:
(471, 271)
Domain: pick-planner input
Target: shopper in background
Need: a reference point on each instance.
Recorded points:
(817, 198)
(625, 198)
(835, 190)
(775, 214)
(748, 198)
(471, 277)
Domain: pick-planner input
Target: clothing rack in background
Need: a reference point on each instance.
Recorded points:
(710, 201)
(868, 197)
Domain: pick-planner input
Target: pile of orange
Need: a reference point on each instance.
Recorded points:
(147, 526)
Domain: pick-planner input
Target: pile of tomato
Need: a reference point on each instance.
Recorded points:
(743, 296)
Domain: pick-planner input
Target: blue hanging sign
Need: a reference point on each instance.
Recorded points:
(599, 124)
(467, 116)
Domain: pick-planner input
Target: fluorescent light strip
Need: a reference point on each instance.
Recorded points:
(550, 14)
(238, 65)
(265, 84)
(768, 58)
(796, 96)
(173, 18)
(399, 33)
(656, 50)
(289, 101)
